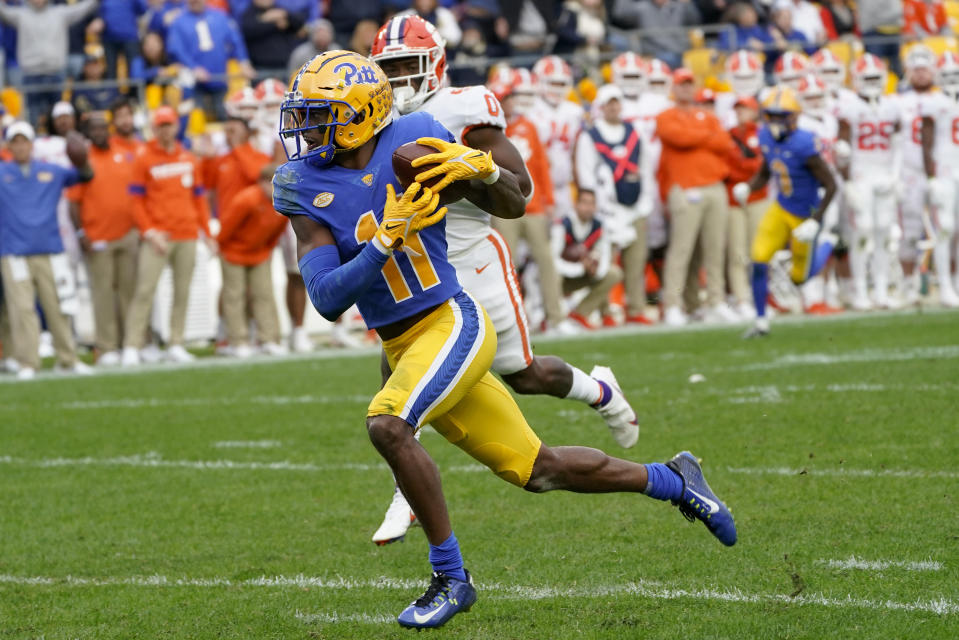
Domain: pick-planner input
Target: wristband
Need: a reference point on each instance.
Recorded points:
(493, 177)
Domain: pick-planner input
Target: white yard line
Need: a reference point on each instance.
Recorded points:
(154, 460)
(865, 355)
(247, 444)
(880, 565)
(642, 589)
(138, 403)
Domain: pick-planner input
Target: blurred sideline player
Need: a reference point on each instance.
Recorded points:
(920, 66)
(790, 68)
(817, 117)
(794, 220)
(559, 121)
(360, 243)
(940, 124)
(744, 75)
(413, 55)
(869, 125)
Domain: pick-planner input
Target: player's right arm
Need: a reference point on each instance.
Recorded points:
(843, 148)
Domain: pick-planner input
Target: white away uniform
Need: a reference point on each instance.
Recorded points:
(479, 254)
(647, 108)
(913, 172)
(557, 128)
(871, 192)
(944, 191)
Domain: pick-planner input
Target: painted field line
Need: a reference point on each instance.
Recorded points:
(851, 473)
(247, 444)
(138, 403)
(866, 355)
(333, 617)
(641, 589)
(154, 460)
(853, 562)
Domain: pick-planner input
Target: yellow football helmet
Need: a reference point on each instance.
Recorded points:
(337, 102)
(780, 109)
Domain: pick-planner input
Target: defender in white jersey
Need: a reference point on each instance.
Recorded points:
(629, 72)
(941, 130)
(653, 100)
(413, 56)
(869, 124)
(744, 75)
(921, 76)
(558, 122)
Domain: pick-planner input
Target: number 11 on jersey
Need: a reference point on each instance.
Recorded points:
(415, 252)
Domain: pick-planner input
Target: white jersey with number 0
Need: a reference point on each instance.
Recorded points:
(459, 110)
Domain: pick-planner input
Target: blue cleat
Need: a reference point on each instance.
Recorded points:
(445, 597)
(699, 502)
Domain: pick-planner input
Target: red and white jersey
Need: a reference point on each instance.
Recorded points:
(911, 112)
(873, 126)
(944, 111)
(558, 127)
(826, 128)
(459, 110)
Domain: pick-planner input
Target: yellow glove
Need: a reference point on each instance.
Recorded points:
(406, 216)
(456, 162)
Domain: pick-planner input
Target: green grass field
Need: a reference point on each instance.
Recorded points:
(238, 501)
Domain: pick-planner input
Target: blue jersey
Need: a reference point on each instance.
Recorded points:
(797, 188)
(349, 202)
(28, 207)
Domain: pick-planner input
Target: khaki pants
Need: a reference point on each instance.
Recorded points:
(242, 283)
(598, 289)
(535, 230)
(26, 279)
(697, 215)
(743, 223)
(182, 257)
(634, 270)
(112, 272)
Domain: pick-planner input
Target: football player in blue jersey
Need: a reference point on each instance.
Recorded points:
(805, 186)
(358, 242)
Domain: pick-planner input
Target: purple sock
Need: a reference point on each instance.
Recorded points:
(606, 394)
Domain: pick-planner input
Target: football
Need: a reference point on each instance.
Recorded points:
(406, 173)
(76, 149)
(574, 253)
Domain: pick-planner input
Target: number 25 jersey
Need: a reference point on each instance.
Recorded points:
(350, 202)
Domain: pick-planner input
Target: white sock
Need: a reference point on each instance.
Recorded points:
(880, 271)
(585, 388)
(859, 265)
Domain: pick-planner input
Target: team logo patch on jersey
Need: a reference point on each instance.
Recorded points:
(323, 200)
(44, 176)
(368, 179)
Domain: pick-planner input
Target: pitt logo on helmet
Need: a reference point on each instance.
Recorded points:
(337, 102)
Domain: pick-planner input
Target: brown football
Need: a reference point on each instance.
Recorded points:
(76, 149)
(574, 253)
(406, 173)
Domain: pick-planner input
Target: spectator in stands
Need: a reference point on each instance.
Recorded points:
(662, 24)
(119, 31)
(839, 18)
(881, 23)
(32, 262)
(442, 18)
(162, 14)
(87, 99)
(581, 29)
(485, 30)
(363, 36)
(42, 46)
(151, 65)
(924, 18)
(583, 253)
(271, 34)
(249, 231)
(203, 40)
(102, 212)
(782, 36)
(612, 163)
(170, 211)
(347, 15)
(692, 169)
(309, 7)
(531, 23)
(321, 39)
(806, 19)
(746, 32)
(745, 160)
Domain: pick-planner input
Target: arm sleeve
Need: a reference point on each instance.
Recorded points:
(138, 192)
(236, 41)
(584, 162)
(200, 201)
(285, 200)
(176, 45)
(10, 15)
(539, 171)
(251, 162)
(334, 287)
(76, 12)
(233, 215)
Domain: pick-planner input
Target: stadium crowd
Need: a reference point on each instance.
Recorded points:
(642, 210)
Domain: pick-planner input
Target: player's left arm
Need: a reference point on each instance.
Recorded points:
(498, 179)
(927, 137)
(820, 171)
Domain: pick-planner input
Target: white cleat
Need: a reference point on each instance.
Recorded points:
(861, 303)
(674, 317)
(10, 365)
(721, 314)
(619, 416)
(746, 311)
(241, 351)
(178, 354)
(26, 373)
(151, 354)
(130, 357)
(299, 341)
(397, 521)
(565, 327)
(78, 369)
(340, 336)
(109, 359)
(273, 349)
(948, 298)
